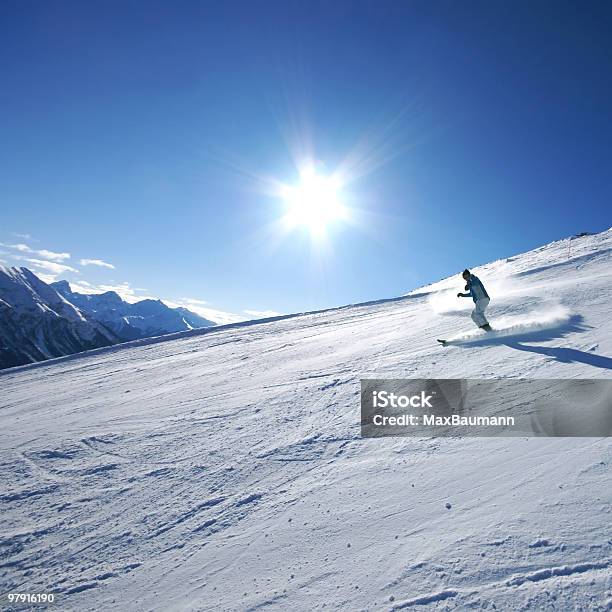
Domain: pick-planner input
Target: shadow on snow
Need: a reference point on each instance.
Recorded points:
(561, 354)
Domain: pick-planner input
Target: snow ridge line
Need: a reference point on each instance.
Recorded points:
(543, 574)
(426, 599)
(552, 572)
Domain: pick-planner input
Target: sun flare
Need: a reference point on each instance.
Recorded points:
(314, 202)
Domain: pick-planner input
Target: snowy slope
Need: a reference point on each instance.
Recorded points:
(223, 469)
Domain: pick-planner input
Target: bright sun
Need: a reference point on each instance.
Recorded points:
(314, 202)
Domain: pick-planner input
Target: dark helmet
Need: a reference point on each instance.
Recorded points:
(465, 273)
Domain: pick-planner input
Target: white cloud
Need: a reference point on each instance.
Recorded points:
(212, 314)
(46, 278)
(23, 236)
(51, 266)
(82, 286)
(18, 247)
(52, 255)
(44, 253)
(263, 314)
(97, 262)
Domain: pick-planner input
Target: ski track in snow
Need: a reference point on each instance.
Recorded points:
(224, 470)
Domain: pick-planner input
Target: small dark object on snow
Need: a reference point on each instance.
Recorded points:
(448, 506)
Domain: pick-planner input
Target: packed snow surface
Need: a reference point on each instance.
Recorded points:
(224, 469)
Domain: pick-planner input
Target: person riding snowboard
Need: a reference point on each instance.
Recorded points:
(475, 289)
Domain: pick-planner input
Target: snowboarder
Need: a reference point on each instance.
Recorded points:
(475, 289)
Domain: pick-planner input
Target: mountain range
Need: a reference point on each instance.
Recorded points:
(40, 321)
(132, 321)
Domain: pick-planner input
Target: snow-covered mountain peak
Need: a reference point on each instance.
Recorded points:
(22, 289)
(111, 297)
(62, 286)
(37, 323)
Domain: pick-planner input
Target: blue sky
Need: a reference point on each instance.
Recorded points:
(147, 135)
